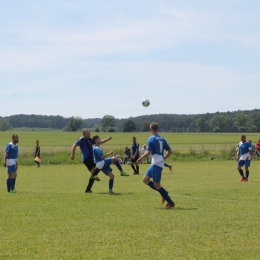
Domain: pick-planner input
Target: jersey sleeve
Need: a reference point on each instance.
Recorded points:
(7, 149)
(166, 146)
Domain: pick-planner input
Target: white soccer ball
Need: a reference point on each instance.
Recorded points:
(146, 103)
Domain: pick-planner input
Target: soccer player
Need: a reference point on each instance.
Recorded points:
(135, 156)
(10, 160)
(85, 144)
(244, 157)
(37, 153)
(156, 147)
(103, 163)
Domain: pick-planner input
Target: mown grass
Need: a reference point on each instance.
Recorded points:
(216, 217)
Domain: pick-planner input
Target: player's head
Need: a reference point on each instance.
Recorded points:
(126, 147)
(37, 142)
(144, 146)
(243, 138)
(86, 133)
(134, 139)
(154, 128)
(15, 138)
(96, 140)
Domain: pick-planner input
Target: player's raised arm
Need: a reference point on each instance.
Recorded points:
(105, 140)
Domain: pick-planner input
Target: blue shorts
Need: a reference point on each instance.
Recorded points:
(154, 172)
(106, 168)
(11, 169)
(243, 162)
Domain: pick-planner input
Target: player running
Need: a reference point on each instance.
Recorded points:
(156, 147)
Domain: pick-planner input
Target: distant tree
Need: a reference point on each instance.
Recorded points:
(128, 126)
(241, 122)
(108, 124)
(201, 124)
(145, 127)
(4, 124)
(219, 123)
(74, 124)
(97, 130)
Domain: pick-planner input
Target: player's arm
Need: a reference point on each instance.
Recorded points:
(167, 154)
(73, 149)
(105, 140)
(105, 155)
(5, 158)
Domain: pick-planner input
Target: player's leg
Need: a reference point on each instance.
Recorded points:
(137, 166)
(132, 165)
(119, 167)
(169, 166)
(156, 175)
(8, 181)
(241, 163)
(247, 165)
(13, 180)
(92, 168)
(110, 182)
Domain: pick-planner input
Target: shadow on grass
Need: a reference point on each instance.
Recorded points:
(114, 194)
(179, 208)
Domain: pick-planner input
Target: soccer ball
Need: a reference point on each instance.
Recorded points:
(146, 103)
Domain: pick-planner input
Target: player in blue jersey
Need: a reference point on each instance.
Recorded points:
(135, 156)
(10, 161)
(103, 163)
(244, 156)
(156, 147)
(85, 144)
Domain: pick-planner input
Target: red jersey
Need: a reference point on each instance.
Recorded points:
(257, 146)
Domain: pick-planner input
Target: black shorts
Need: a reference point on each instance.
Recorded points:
(135, 159)
(89, 162)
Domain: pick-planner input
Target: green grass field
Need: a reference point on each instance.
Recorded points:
(216, 216)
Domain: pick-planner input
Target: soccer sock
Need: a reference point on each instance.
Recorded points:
(90, 183)
(166, 165)
(137, 168)
(96, 172)
(8, 184)
(110, 184)
(247, 174)
(241, 172)
(133, 168)
(118, 165)
(165, 195)
(12, 185)
(150, 184)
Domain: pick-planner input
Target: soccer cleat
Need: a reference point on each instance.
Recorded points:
(170, 167)
(170, 205)
(13, 191)
(110, 192)
(135, 173)
(124, 174)
(245, 180)
(88, 191)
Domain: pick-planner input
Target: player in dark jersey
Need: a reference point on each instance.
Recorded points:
(135, 156)
(85, 144)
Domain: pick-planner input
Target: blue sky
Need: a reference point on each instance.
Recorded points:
(96, 58)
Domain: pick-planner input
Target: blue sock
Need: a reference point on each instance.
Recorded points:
(8, 184)
(241, 173)
(150, 184)
(247, 174)
(165, 195)
(110, 184)
(118, 165)
(12, 184)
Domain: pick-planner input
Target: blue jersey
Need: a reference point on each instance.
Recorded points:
(135, 147)
(85, 145)
(244, 149)
(97, 153)
(12, 154)
(157, 145)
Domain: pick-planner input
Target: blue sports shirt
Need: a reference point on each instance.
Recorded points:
(97, 153)
(12, 154)
(157, 145)
(85, 145)
(135, 146)
(244, 149)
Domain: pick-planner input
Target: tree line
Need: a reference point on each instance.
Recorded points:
(219, 122)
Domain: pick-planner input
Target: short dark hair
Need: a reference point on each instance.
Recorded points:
(154, 126)
(95, 138)
(14, 135)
